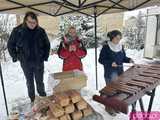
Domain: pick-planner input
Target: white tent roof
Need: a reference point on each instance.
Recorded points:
(61, 7)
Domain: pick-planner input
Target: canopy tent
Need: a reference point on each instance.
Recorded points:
(93, 8)
(61, 7)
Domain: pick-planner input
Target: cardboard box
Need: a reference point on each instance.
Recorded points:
(63, 75)
(69, 80)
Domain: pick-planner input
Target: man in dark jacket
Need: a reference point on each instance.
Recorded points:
(29, 44)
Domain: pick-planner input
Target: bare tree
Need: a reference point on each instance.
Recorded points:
(4, 34)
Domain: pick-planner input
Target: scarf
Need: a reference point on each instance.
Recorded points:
(115, 47)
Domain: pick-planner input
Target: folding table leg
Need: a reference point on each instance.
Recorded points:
(151, 100)
(141, 105)
(133, 110)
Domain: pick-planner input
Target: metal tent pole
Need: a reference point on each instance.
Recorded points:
(4, 93)
(95, 36)
(156, 41)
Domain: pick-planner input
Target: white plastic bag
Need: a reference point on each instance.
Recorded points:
(52, 83)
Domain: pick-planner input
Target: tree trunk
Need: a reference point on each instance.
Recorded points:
(18, 19)
(4, 56)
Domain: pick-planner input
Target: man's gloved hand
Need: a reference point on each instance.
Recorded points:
(14, 59)
(46, 59)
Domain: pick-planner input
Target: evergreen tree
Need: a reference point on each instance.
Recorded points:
(84, 26)
(135, 34)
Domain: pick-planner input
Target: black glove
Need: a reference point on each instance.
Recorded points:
(46, 59)
(14, 59)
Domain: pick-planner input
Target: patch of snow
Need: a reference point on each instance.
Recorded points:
(16, 91)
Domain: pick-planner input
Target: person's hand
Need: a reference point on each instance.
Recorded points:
(72, 48)
(114, 64)
(52, 52)
(131, 61)
(14, 59)
(63, 45)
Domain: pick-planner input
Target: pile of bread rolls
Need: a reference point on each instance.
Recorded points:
(67, 105)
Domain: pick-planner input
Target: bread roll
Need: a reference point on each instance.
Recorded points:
(87, 111)
(52, 118)
(37, 116)
(40, 104)
(56, 110)
(69, 109)
(48, 118)
(14, 116)
(65, 117)
(62, 99)
(81, 105)
(76, 115)
(74, 96)
(69, 117)
(49, 113)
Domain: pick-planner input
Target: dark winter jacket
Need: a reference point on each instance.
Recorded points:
(29, 45)
(107, 57)
(72, 60)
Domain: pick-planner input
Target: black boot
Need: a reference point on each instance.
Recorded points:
(32, 99)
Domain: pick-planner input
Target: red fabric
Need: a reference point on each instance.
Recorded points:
(72, 60)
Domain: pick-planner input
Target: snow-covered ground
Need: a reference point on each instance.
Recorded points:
(15, 86)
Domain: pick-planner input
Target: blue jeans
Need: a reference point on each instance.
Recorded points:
(113, 76)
